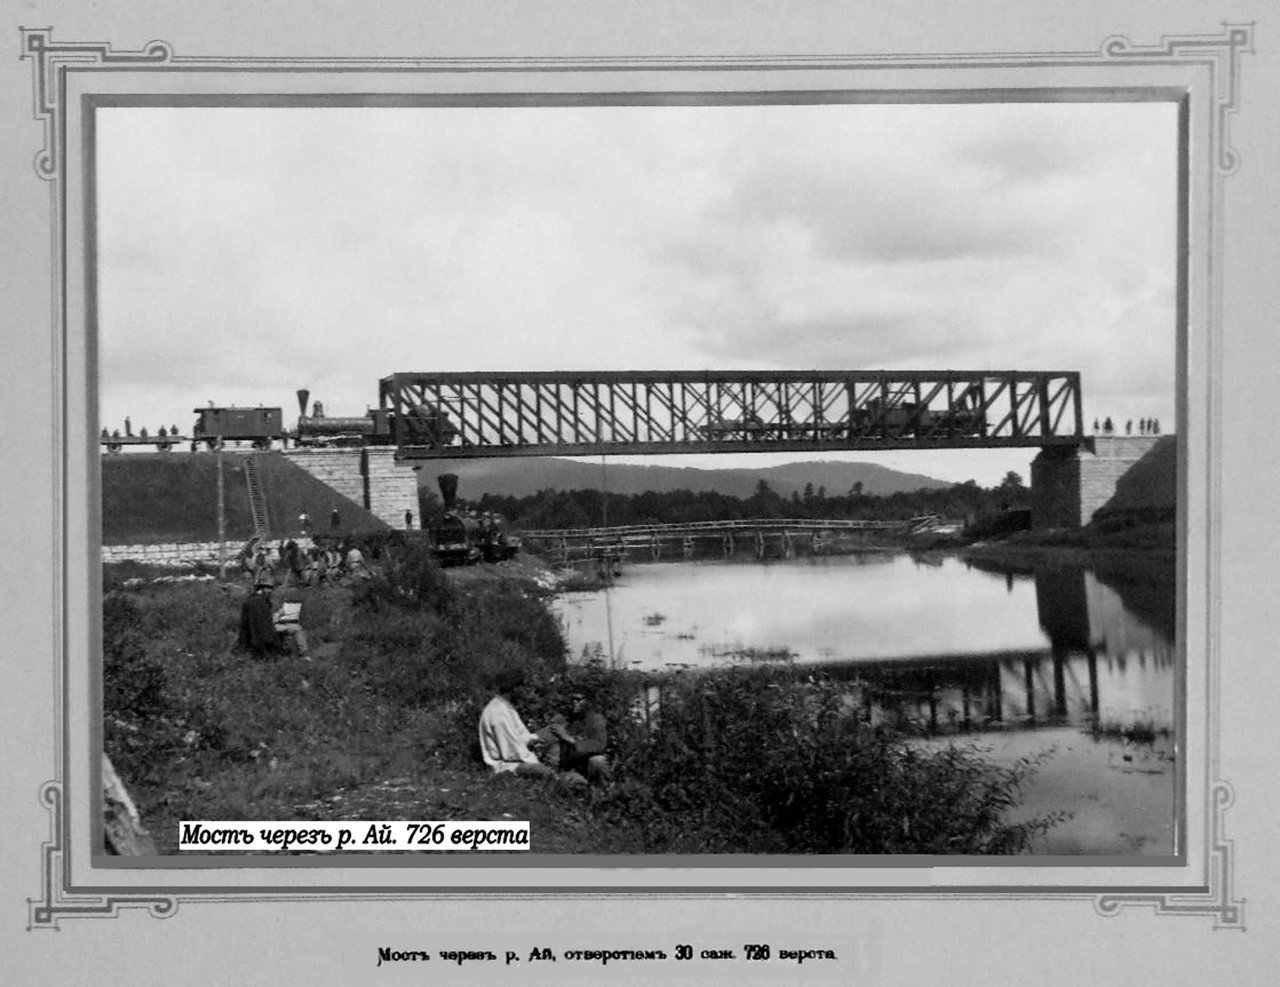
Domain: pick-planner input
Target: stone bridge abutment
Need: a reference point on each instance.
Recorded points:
(1069, 485)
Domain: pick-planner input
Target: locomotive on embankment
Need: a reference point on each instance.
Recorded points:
(461, 537)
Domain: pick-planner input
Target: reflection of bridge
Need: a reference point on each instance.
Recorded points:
(642, 412)
(730, 535)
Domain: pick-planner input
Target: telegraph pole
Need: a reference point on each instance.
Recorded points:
(222, 517)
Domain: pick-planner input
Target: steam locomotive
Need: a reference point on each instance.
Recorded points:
(461, 538)
(262, 427)
(874, 419)
(424, 424)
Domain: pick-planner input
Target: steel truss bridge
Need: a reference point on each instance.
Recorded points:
(478, 414)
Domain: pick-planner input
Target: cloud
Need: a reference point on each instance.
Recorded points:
(245, 253)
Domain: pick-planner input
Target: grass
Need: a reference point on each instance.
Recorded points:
(382, 724)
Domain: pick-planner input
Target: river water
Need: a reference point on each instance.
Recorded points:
(1062, 661)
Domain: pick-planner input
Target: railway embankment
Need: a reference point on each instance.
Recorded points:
(172, 499)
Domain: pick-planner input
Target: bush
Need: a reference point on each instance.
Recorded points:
(756, 762)
(422, 642)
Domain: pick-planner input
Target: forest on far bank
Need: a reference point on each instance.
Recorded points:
(966, 502)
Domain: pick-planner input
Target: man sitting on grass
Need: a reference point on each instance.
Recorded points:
(583, 742)
(506, 744)
(288, 619)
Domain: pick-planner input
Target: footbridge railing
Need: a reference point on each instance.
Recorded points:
(642, 532)
(764, 536)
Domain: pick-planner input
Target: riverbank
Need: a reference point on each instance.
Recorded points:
(380, 724)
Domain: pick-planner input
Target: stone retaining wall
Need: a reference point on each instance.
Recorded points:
(187, 554)
(370, 477)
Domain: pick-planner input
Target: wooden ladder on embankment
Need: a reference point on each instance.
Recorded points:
(257, 498)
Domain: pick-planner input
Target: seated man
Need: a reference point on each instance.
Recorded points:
(583, 742)
(288, 619)
(506, 744)
(257, 635)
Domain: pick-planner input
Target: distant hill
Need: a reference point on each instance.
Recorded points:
(520, 477)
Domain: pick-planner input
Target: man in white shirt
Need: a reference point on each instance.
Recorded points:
(506, 744)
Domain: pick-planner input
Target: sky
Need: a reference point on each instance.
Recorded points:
(244, 253)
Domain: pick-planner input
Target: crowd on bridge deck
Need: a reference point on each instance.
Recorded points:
(1146, 426)
(164, 433)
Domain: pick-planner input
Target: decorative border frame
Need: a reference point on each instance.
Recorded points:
(50, 60)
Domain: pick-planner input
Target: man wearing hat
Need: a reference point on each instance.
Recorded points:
(257, 627)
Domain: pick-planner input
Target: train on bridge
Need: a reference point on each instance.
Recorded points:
(263, 428)
(450, 415)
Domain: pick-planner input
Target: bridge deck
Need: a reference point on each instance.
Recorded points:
(652, 412)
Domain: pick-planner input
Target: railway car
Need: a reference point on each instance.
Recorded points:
(261, 426)
(164, 441)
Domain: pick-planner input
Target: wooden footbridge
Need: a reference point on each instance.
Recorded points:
(657, 541)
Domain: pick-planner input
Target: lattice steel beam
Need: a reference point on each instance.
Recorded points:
(448, 415)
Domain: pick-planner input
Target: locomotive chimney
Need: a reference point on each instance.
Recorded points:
(303, 394)
(448, 489)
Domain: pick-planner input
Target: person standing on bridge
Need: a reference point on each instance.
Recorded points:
(1128, 427)
(1107, 427)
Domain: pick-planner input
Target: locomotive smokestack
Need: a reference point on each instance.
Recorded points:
(448, 489)
(303, 394)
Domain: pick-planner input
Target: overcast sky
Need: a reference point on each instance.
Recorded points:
(244, 253)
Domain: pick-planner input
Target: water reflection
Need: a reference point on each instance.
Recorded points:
(947, 647)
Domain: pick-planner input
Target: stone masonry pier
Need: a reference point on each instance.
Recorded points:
(370, 477)
(1069, 485)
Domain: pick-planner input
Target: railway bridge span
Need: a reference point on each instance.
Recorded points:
(659, 412)
(572, 413)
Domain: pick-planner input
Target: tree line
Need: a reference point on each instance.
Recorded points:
(596, 508)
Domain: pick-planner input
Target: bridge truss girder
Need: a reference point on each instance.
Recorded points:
(656, 412)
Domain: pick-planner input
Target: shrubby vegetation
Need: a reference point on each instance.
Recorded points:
(758, 761)
(741, 761)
